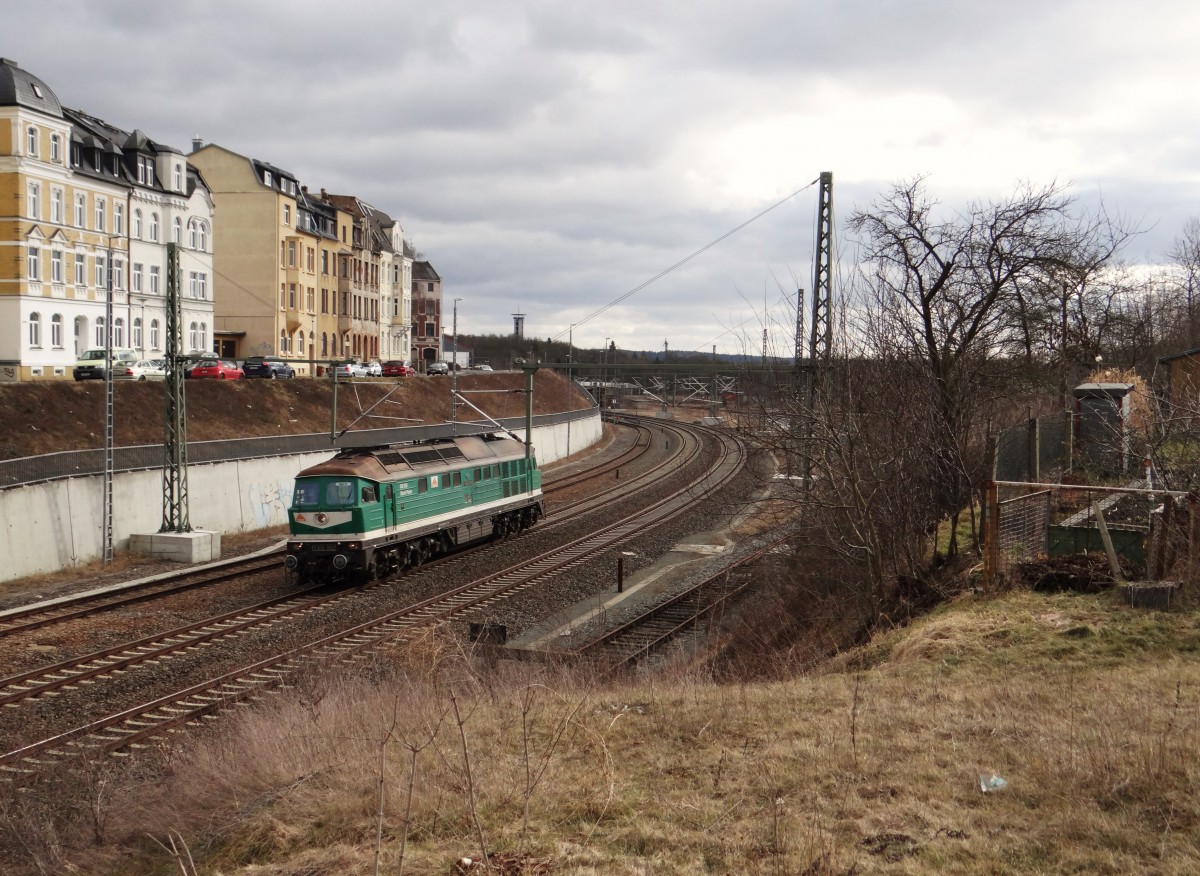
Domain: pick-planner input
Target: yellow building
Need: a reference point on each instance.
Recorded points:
(73, 188)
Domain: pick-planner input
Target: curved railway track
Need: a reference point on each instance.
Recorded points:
(26, 618)
(151, 719)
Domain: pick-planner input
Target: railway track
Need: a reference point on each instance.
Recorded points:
(27, 618)
(150, 720)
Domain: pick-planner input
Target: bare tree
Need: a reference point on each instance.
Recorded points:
(945, 286)
(1185, 254)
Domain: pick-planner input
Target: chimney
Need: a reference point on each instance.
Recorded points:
(197, 144)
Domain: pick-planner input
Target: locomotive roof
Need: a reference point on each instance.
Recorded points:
(385, 463)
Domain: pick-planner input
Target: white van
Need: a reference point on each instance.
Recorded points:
(92, 364)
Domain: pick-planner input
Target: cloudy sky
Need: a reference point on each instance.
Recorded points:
(552, 157)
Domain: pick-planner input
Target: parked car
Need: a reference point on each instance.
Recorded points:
(374, 369)
(435, 368)
(217, 369)
(94, 362)
(189, 361)
(270, 367)
(147, 369)
(481, 367)
(351, 369)
(396, 368)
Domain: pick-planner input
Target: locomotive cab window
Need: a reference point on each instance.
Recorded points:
(339, 493)
(456, 479)
(368, 493)
(308, 494)
(423, 485)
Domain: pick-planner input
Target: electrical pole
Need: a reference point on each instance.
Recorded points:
(175, 456)
(821, 338)
(106, 500)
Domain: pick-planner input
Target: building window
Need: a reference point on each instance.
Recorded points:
(118, 269)
(154, 274)
(137, 224)
(291, 256)
(202, 286)
(266, 177)
(35, 263)
(154, 227)
(32, 142)
(80, 269)
(177, 177)
(56, 149)
(429, 330)
(283, 341)
(57, 274)
(137, 276)
(192, 234)
(101, 335)
(194, 337)
(137, 332)
(154, 334)
(101, 283)
(56, 331)
(118, 218)
(177, 230)
(56, 206)
(192, 283)
(203, 237)
(80, 209)
(287, 214)
(324, 262)
(35, 330)
(34, 201)
(203, 336)
(119, 332)
(100, 205)
(291, 296)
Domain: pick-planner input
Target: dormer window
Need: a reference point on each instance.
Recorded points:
(178, 177)
(37, 89)
(266, 177)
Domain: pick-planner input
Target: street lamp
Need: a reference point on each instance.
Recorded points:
(604, 374)
(570, 381)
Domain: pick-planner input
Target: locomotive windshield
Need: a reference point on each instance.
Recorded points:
(339, 493)
(308, 494)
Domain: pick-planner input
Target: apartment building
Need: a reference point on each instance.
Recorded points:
(427, 314)
(93, 208)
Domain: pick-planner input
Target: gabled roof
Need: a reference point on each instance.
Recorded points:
(424, 271)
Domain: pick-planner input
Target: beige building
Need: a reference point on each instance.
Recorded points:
(277, 256)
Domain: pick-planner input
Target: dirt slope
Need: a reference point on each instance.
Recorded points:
(51, 416)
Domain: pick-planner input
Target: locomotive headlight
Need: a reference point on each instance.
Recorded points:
(340, 562)
(291, 561)
(322, 518)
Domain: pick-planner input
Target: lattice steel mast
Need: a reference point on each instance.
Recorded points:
(175, 488)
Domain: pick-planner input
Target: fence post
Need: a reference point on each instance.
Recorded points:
(991, 533)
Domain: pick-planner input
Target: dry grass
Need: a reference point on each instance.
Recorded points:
(1089, 711)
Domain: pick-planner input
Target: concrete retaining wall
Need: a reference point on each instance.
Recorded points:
(56, 525)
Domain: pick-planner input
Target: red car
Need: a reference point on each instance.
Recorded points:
(396, 368)
(217, 369)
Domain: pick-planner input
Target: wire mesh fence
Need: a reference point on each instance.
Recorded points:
(1152, 532)
(1036, 450)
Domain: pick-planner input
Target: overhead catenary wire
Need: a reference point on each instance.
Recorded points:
(683, 261)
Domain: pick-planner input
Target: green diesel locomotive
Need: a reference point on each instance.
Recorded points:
(371, 511)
